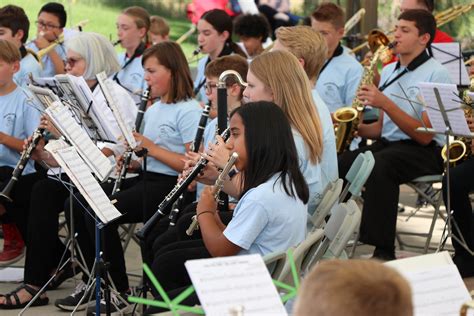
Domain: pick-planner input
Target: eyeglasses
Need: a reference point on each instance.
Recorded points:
(72, 61)
(210, 86)
(46, 26)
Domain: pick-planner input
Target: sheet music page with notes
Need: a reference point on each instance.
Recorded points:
(437, 287)
(234, 283)
(126, 130)
(451, 101)
(449, 55)
(68, 158)
(100, 165)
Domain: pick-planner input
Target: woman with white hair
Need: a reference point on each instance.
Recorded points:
(87, 55)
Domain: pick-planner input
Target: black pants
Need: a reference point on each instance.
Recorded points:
(45, 248)
(137, 202)
(17, 211)
(395, 163)
(461, 184)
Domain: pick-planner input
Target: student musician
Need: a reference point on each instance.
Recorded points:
(14, 26)
(19, 119)
(262, 221)
(87, 55)
(310, 48)
(51, 21)
(214, 39)
(169, 128)
(340, 76)
(133, 25)
(159, 30)
(401, 153)
(253, 31)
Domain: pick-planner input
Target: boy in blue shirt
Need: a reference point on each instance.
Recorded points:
(18, 121)
(401, 153)
(14, 27)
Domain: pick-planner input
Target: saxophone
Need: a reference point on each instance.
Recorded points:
(460, 148)
(348, 118)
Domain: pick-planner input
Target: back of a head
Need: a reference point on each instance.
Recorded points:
(56, 9)
(159, 26)
(97, 51)
(15, 19)
(424, 21)
(354, 287)
(307, 44)
(9, 53)
(331, 13)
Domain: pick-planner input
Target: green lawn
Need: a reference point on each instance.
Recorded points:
(101, 16)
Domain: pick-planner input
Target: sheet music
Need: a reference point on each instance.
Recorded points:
(238, 282)
(437, 287)
(44, 96)
(126, 129)
(95, 159)
(68, 158)
(449, 55)
(451, 102)
(77, 89)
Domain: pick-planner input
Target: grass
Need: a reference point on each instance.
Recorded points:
(101, 16)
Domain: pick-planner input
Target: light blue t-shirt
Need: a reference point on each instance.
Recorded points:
(329, 168)
(131, 78)
(18, 119)
(170, 126)
(266, 220)
(337, 84)
(48, 66)
(28, 64)
(201, 67)
(311, 172)
(430, 71)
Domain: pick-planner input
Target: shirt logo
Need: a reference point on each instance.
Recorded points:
(9, 120)
(166, 130)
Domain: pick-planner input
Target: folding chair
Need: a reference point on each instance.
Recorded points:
(275, 262)
(300, 254)
(330, 196)
(435, 199)
(357, 175)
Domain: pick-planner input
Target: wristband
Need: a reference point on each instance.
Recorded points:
(197, 216)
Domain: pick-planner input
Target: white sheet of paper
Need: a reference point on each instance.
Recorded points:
(11, 274)
(68, 158)
(95, 159)
(449, 55)
(126, 130)
(450, 100)
(437, 287)
(238, 282)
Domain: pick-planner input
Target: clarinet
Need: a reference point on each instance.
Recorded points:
(175, 209)
(20, 166)
(175, 193)
(127, 156)
(224, 175)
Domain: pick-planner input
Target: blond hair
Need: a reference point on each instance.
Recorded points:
(307, 44)
(354, 287)
(281, 72)
(159, 26)
(9, 53)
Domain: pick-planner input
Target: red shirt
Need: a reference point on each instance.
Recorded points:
(442, 37)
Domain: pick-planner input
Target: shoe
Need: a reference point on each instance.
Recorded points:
(13, 246)
(16, 304)
(384, 254)
(70, 302)
(68, 272)
(465, 265)
(119, 305)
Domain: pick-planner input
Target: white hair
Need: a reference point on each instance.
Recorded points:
(97, 51)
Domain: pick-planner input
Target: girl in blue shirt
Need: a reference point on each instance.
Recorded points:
(271, 213)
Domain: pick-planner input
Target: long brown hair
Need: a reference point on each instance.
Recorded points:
(141, 18)
(281, 72)
(170, 55)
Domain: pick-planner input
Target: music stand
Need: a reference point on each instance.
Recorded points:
(447, 119)
(450, 56)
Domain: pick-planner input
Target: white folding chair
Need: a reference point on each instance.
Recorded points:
(275, 262)
(330, 196)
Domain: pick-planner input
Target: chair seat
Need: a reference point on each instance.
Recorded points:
(430, 179)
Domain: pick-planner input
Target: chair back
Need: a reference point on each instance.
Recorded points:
(351, 175)
(358, 182)
(330, 196)
(275, 262)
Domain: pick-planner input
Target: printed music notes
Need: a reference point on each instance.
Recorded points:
(79, 173)
(227, 285)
